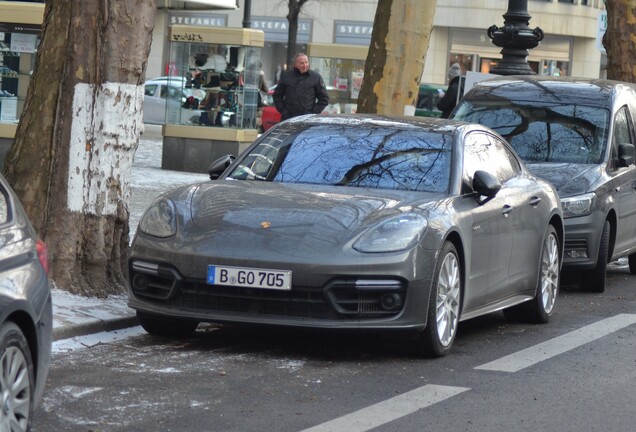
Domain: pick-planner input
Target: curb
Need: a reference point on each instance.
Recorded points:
(70, 331)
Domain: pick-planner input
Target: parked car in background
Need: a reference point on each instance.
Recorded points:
(269, 114)
(161, 91)
(578, 134)
(427, 98)
(26, 321)
(353, 222)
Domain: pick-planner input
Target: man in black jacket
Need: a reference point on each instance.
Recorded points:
(300, 90)
(447, 103)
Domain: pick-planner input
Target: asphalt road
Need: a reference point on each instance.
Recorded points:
(576, 373)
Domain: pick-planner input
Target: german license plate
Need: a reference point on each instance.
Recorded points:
(249, 277)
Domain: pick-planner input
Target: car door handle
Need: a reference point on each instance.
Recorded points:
(506, 210)
(534, 201)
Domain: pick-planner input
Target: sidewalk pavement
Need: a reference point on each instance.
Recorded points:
(75, 315)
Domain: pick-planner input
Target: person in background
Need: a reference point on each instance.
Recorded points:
(300, 90)
(447, 103)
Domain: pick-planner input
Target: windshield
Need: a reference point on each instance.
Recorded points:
(368, 156)
(543, 132)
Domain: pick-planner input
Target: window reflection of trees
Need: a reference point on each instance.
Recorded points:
(546, 133)
(371, 156)
(374, 157)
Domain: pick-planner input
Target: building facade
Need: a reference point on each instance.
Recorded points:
(571, 45)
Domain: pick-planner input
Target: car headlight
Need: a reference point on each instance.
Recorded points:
(160, 219)
(394, 234)
(579, 205)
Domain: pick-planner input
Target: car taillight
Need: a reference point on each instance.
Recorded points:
(43, 255)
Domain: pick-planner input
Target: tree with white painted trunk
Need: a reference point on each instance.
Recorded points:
(71, 159)
(395, 62)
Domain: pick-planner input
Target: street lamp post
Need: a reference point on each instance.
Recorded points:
(515, 38)
(247, 14)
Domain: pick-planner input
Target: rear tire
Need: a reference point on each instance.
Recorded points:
(539, 309)
(166, 326)
(443, 309)
(594, 281)
(17, 382)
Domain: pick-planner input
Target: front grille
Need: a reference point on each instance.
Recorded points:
(351, 299)
(299, 302)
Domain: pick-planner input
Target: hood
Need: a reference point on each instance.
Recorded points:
(568, 178)
(250, 217)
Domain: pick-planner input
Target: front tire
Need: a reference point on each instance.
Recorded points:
(443, 310)
(594, 281)
(539, 309)
(166, 326)
(632, 263)
(16, 379)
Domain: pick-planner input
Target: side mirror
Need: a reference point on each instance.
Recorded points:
(217, 167)
(626, 155)
(485, 184)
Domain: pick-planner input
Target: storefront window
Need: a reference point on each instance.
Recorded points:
(486, 64)
(554, 68)
(342, 69)
(17, 58)
(216, 83)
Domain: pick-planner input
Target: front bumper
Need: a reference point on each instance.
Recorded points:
(376, 293)
(582, 238)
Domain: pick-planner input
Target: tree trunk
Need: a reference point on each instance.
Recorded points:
(619, 39)
(395, 62)
(71, 159)
(292, 32)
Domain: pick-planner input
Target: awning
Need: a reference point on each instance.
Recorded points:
(221, 4)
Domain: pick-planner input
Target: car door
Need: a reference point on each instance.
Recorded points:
(492, 224)
(154, 103)
(623, 181)
(528, 217)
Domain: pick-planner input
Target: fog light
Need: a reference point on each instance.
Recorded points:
(391, 301)
(140, 282)
(576, 253)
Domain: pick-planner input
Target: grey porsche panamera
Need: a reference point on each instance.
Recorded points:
(353, 222)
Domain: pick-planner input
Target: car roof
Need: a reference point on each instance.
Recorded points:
(427, 124)
(583, 91)
(430, 123)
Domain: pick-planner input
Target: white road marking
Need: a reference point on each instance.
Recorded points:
(543, 351)
(390, 409)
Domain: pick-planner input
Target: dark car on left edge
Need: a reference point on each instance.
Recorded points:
(353, 222)
(26, 319)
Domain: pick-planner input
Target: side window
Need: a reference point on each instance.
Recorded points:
(485, 152)
(164, 92)
(476, 153)
(174, 93)
(622, 134)
(507, 165)
(4, 207)
(150, 90)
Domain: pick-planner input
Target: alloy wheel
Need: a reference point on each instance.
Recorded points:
(549, 273)
(448, 291)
